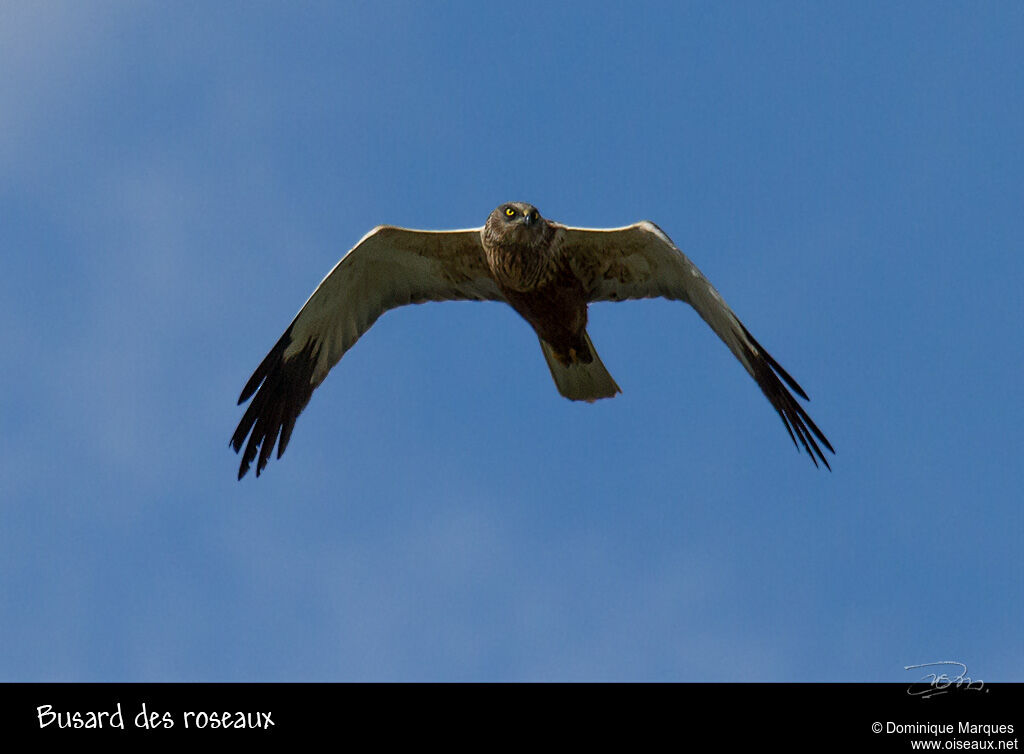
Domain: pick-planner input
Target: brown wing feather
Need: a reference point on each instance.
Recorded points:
(389, 267)
(640, 261)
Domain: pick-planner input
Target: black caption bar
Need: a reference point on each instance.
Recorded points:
(884, 717)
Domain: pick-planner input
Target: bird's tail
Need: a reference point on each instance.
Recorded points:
(580, 376)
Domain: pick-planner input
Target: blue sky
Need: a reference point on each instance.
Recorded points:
(175, 179)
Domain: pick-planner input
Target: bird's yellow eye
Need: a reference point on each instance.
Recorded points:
(509, 212)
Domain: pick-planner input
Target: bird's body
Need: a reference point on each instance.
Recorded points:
(537, 281)
(557, 310)
(549, 273)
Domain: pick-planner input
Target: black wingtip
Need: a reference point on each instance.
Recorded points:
(793, 384)
(801, 428)
(280, 388)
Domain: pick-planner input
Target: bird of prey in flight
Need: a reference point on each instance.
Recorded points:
(546, 271)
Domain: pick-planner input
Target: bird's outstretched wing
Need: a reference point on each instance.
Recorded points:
(389, 267)
(640, 261)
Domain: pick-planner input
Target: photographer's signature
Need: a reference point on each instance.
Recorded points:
(939, 681)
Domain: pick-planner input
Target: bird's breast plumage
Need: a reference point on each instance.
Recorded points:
(521, 261)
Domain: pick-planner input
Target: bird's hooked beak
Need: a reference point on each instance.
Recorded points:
(528, 219)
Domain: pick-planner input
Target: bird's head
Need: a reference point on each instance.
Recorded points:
(516, 220)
